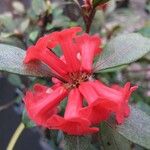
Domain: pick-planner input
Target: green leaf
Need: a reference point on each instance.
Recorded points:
(27, 122)
(24, 25)
(145, 31)
(11, 39)
(11, 60)
(123, 50)
(114, 69)
(7, 22)
(33, 35)
(77, 142)
(14, 80)
(98, 2)
(136, 128)
(144, 107)
(38, 6)
(112, 140)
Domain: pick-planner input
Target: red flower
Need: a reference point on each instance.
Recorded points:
(73, 76)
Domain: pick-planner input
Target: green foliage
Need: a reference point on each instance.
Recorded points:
(98, 2)
(145, 31)
(123, 50)
(11, 39)
(114, 69)
(33, 35)
(136, 129)
(6, 20)
(39, 6)
(77, 142)
(144, 107)
(59, 19)
(112, 140)
(14, 80)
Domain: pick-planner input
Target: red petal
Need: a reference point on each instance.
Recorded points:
(89, 46)
(125, 109)
(96, 111)
(41, 103)
(72, 126)
(106, 92)
(41, 52)
(66, 39)
(88, 92)
(74, 104)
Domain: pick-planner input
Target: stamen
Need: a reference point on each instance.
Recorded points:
(76, 79)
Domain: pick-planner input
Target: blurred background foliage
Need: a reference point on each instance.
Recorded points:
(22, 22)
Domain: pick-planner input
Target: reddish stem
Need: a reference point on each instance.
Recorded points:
(88, 19)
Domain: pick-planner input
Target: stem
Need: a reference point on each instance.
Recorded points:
(5, 106)
(88, 22)
(15, 136)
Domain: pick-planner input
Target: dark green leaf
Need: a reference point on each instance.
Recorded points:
(145, 31)
(11, 39)
(144, 107)
(112, 140)
(11, 60)
(136, 128)
(122, 50)
(14, 80)
(114, 69)
(77, 142)
(98, 2)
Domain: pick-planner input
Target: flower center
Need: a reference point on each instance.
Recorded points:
(76, 78)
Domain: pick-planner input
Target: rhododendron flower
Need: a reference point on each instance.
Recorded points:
(89, 101)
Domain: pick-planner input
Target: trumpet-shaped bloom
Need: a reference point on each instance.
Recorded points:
(89, 101)
(104, 100)
(42, 102)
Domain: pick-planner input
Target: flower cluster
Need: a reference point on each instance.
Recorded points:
(89, 101)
